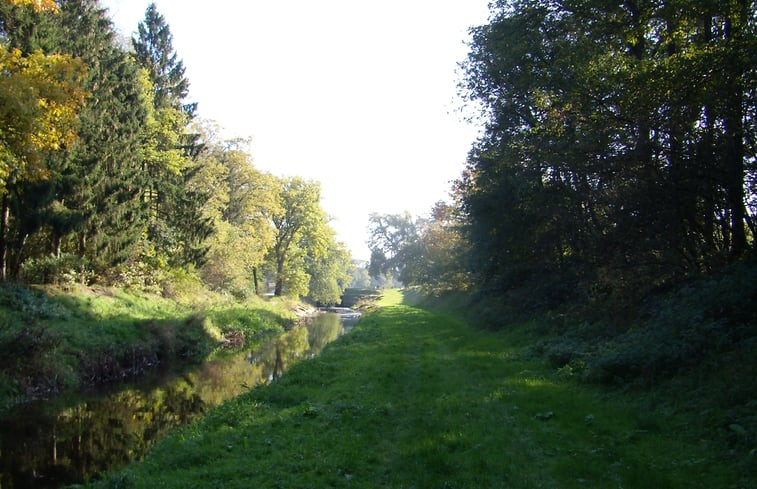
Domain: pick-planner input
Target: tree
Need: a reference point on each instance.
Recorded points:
(436, 260)
(176, 227)
(428, 252)
(102, 181)
(301, 229)
(330, 273)
(390, 236)
(40, 98)
(614, 159)
(242, 202)
(153, 49)
(37, 5)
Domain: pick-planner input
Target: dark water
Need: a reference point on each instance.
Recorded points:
(65, 441)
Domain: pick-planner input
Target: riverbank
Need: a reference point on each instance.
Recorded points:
(417, 398)
(54, 339)
(68, 439)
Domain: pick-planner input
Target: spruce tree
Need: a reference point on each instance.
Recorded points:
(105, 165)
(153, 49)
(88, 203)
(176, 226)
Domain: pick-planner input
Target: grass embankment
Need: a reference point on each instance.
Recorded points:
(53, 339)
(413, 398)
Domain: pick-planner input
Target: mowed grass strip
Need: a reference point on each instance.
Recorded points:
(417, 399)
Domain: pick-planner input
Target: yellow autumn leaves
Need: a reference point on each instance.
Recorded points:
(37, 5)
(40, 98)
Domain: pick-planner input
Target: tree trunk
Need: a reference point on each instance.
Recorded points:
(3, 231)
(16, 270)
(734, 134)
(279, 277)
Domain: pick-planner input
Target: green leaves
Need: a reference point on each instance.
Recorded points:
(305, 254)
(614, 153)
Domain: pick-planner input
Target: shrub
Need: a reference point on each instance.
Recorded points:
(699, 320)
(181, 284)
(66, 269)
(30, 304)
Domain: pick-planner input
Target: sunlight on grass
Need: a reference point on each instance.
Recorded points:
(390, 297)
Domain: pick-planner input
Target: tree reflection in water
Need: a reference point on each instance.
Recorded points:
(49, 444)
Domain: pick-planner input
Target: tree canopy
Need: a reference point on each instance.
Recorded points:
(618, 154)
(106, 173)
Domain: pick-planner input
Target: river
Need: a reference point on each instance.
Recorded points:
(48, 444)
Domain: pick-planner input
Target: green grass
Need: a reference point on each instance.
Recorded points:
(416, 398)
(53, 339)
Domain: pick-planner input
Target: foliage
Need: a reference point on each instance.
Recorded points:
(66, 269)
(330, 274)
(175, 222)
(702, 325)
(390, 236)
(130, 187)
(153, 48)
(40, 97)
(616, 154)
(302, 234)
(242, 203)
(690, 327)
(426, 252)
(38, 5)
(56, 338)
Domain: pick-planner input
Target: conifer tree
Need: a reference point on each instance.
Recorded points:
(104, 168)
(153, 49)
(176, 225)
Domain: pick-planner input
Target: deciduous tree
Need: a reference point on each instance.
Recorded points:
(40, 98)
(615, 157)
(301, 229)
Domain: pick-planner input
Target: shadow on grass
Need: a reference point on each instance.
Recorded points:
(413, 398)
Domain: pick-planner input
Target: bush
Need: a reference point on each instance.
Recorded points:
(30, 304)
(181, 284)
(697, 321)
(66, 269)
(137, 275)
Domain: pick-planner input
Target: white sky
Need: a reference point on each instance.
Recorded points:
(359, 95)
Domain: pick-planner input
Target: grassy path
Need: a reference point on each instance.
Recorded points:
(415, 399)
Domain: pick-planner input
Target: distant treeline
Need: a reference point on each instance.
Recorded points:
(107, 175)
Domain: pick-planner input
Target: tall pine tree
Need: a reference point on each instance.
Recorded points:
(177, 227)
(87, 204)
(103, 170)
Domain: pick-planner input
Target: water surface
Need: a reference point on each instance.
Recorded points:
(48, 444)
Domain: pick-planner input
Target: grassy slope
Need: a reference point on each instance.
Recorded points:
(51, 339)
(413, 398)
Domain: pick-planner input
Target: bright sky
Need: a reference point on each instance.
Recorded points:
(359, 95)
